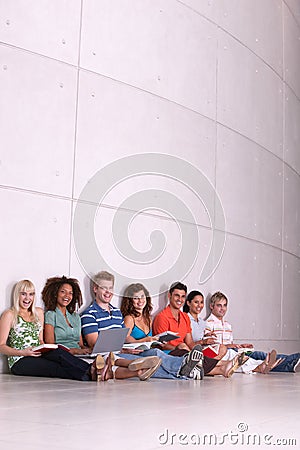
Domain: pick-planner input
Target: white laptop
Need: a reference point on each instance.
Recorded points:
(110, 340)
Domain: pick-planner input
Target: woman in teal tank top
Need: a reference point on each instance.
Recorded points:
(62, 296)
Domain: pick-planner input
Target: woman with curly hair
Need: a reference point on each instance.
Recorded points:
(62, 297)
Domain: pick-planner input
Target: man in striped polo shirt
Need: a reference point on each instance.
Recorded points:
(218, 325)
(101, 315)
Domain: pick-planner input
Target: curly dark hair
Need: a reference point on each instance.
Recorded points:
(51, 288)
(127, 307)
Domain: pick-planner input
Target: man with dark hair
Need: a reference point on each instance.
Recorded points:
(173, 319)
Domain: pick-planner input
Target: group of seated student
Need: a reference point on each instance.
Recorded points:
(217, 330)
(222, 330)
(25, 326)
(21, 329)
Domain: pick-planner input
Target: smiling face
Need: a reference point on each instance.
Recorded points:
(64, 296)
(196, 305)
(219, 309)
(103, 292)
(139, 301)
(26, 299)
(177, 298)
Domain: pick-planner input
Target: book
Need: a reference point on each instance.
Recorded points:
(142, 345)
(43, 348)
(211, 350)
(167, 336)
(63, 347)
(246, 350)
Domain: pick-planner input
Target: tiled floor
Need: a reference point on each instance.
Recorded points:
(42, 413)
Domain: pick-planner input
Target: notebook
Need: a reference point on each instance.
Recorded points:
(110, 340)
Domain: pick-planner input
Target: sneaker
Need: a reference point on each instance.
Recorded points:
(297, 366)
(190, 361)
(198, 372)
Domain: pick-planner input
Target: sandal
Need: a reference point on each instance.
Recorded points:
(104, 370)
(105, 374)
(236, 362)
(270, 362)
(242, 359)
(110, 359)
(96, 367)
(150, 371)
(277, 362)
(143, 363)
(100, 365)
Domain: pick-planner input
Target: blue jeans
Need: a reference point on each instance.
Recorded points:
(169, 367)
(287, 364)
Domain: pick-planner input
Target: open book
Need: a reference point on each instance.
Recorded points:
(142, 345)
(246, 350)
(211, 350)
(43, 348)
(167, 336)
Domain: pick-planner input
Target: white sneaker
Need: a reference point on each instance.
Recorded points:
(190, 360)
(198, 373)
(297, 366)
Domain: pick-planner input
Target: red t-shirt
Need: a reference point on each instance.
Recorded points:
(165, 321)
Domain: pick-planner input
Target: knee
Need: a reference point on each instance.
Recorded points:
(222, 351)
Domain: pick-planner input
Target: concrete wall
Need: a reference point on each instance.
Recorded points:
(216, 83)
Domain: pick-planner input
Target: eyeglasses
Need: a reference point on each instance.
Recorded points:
(142, 297)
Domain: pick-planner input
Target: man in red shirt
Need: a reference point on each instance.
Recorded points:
(173, 319)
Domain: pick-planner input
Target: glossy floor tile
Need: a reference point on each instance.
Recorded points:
(251, 411)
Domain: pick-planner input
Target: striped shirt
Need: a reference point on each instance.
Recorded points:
(221, 328)
(94, 319)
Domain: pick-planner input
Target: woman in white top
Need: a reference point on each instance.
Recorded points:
(193, 306)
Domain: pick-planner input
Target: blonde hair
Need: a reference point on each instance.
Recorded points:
(103, 275)
(216, 297)
(23, 286)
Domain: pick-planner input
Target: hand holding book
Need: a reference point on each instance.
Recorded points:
(43, 348)
(166, 336)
